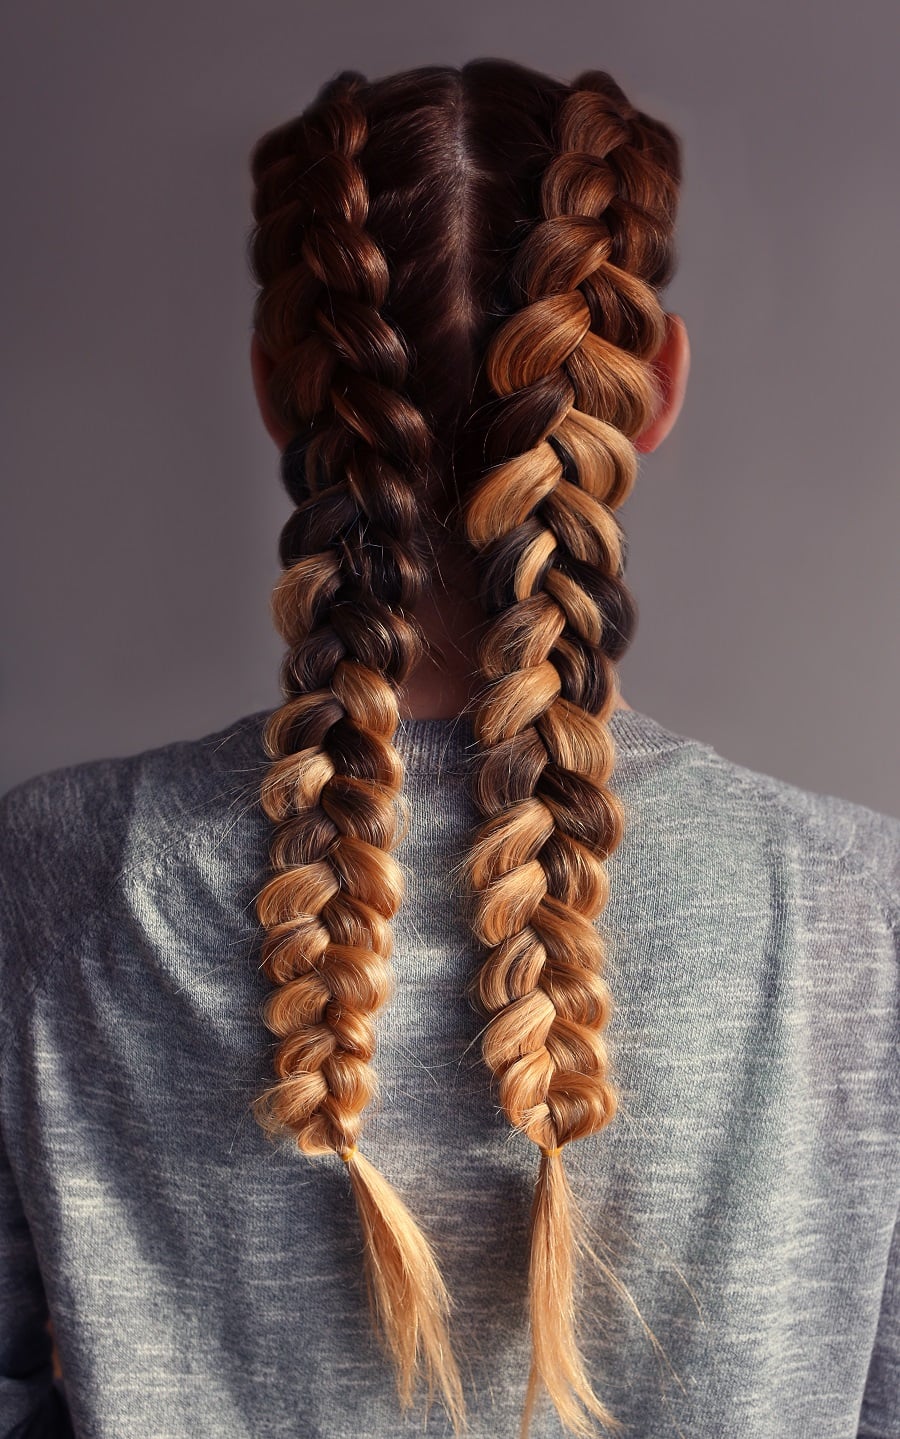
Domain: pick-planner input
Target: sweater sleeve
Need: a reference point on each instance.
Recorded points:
(32, 1402)
(32, 1399)
(879, 1416)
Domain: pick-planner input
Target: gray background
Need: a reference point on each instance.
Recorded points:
(143, 502)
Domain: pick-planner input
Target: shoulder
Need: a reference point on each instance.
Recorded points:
(820, 829)
(68, 834)
(704, 813)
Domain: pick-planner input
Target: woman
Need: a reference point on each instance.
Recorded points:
(452, 835)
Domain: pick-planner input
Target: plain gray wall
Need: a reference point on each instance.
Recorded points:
(144, 504)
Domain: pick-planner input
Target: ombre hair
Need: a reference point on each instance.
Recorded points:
(459, 277)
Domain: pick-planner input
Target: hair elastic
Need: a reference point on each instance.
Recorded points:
(550, 1152)
(347, 1154)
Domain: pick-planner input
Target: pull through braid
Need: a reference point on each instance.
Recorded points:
(571, 370)
(354, 562)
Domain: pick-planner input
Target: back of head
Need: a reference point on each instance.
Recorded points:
(459, 276)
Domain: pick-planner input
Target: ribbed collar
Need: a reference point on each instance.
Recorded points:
(446, 744)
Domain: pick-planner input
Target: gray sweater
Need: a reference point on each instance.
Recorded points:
(204, 1283)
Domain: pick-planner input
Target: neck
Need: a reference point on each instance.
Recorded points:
(445, 683)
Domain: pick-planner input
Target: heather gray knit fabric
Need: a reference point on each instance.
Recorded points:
(206, 1284)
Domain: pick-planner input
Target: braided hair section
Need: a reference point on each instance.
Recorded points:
(571, 370)
(354, 557)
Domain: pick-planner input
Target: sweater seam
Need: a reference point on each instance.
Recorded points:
(68, 938)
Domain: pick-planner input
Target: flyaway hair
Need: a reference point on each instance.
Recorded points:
(459, 292)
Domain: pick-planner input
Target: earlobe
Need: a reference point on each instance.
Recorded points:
(672, 365)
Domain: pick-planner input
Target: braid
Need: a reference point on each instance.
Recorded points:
(573, 384)
(354, 558)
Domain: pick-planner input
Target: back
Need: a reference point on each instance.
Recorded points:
(205, 1282)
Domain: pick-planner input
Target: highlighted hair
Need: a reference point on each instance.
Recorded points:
(513, 235)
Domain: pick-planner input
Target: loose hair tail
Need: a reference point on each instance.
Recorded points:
(553, 1243)
(407, 1296)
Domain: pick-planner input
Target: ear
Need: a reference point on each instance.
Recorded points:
(261, 367)
(672, 364)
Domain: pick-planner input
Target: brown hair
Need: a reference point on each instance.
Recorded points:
(459, 274)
